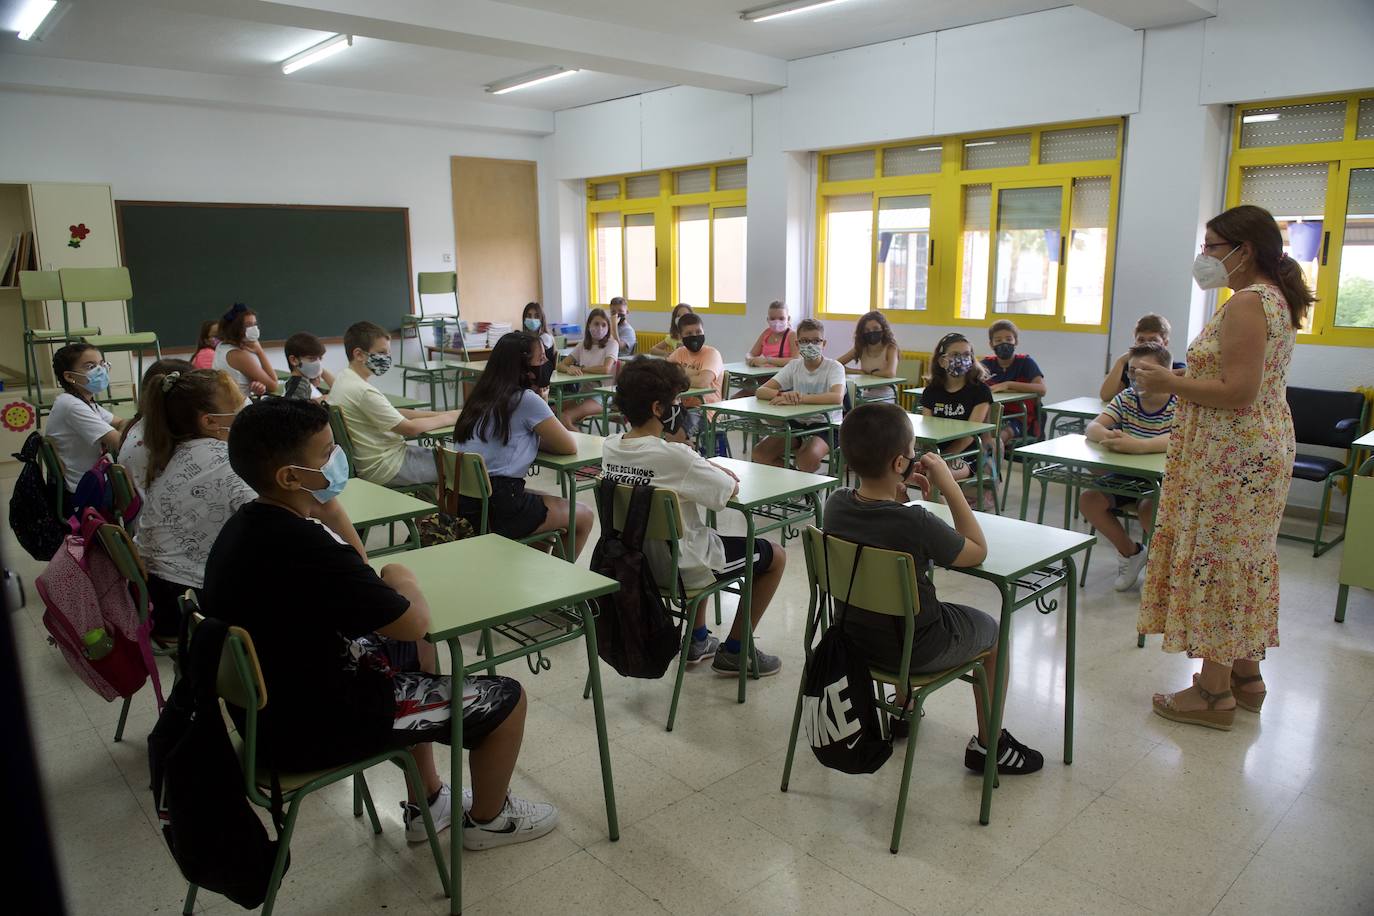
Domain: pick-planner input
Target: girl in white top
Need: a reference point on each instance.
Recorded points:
(81, 430)
(875, 350)
(597, 353)
(241, 356)
(191, 490)
(133, 452)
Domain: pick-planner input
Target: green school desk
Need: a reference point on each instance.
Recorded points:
(999, 397)
(1074, 461)
(746, 375)
(123, 410)
(1067, 413)
(1356, 569)
(481, 583)
(607, 392)
(558, 384)
(369, 505)
(774, 417)
(1027, 562)
(782, 498)
(566, 467)
(1366, 444)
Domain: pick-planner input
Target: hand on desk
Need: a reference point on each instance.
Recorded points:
(787, 398)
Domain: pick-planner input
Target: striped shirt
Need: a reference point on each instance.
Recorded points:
(1133, 419)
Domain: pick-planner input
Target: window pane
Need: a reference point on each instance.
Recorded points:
(1285, 125)
(1027, 250)
(1086, 271)
(1364, 124)
(1296, 196)
(694, 182)
(849, 166)
(728, 251)
(922, 159)
(903, 251)
(731, 177)
(973, 285)
(608, 190)
(1355, 293)
(641, 186)
(997, 152)
(641, 267)
(610, 267)
(1077, 144)
(848, 253)
(693, 253)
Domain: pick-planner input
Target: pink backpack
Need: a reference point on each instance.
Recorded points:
(84, 594)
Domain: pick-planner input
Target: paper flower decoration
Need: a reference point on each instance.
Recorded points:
(17, 416)
(79, 233)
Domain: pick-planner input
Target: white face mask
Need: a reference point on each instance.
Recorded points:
(310, 368)
(1210, 272)
(252, 333)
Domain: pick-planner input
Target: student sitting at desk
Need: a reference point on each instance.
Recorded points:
(1136, 422)
(342, 648)
(877, 444)
(305, 358)
(673, 340)
(1008, 370)
(379, 430)
(777, 345)
(81, 430)
(508, 423)
(206, 343)
(240, 353)
(191, 490)
(624, 331)
(1149, 329)
(648, 393)
(811, 378)
(957, 392)
(875, 350)
(133, 451)
(703, 363)
(596, 353)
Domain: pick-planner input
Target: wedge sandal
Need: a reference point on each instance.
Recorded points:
(1211, 717)
(1248, 700)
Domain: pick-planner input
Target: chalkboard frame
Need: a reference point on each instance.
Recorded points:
(120, 205)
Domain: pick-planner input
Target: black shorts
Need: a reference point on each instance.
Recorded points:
(823, 431)
(166, 611)
(734, 556)
(511, 512)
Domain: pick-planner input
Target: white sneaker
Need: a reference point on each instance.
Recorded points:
(1128, 568)
(518, 822)
(441, 811)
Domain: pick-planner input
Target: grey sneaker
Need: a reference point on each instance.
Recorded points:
(700, 650)
(726, 663)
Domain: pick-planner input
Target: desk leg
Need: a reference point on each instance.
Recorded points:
(455, 777)
(602, 742)
(745, 608)
(1025, 485)
(1070, 655)
(999, 680)
(1342, 596)
(568, 481)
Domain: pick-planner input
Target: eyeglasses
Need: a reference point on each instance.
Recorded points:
(91, 367)
(1206, 246)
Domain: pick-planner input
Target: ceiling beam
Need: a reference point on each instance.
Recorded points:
(503, 30)
(1151, 14)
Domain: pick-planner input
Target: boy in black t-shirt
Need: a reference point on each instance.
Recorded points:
(338, 643)
(877, 444)
(1012, 371)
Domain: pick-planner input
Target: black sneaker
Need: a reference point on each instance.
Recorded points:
(1013, 757)
(900, 729)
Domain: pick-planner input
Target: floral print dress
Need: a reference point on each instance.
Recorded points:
(1212, 583)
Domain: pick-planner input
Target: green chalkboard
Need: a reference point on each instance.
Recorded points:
(301, 268)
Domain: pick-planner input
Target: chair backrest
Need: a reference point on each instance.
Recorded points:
(884, 582)
(54, 470)
(462, 474)
(437, 282)
(96, 284)
(122, 488)
(1324, 417)
(39, 285)
(913, 370)
(665, 514)
(995, 418)
(339, 427)
(120, 548)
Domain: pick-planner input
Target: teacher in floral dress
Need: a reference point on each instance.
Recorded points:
(1212, 583)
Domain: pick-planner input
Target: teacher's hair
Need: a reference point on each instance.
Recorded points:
(1248, 223)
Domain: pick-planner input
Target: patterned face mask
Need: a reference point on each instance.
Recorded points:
(958, 365)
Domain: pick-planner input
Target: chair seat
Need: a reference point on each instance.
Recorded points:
(114, 341)
(59, 335)
(924, 678)
(290, 782)
(1315, 467)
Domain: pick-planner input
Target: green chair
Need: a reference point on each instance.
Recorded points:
(120, 548)
(339, 426)
(433, 373)
(38, 287)
(665, 524)
(56, 474)
(108, 284)
(240, 683)
(123, 489)
(883, 582)
(1027, 436)
(1356, 569)
(985, 444)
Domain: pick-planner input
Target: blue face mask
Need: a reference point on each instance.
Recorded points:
(335, 471)
(532, 325)
(96, 381)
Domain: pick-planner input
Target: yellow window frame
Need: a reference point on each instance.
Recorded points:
(946, 190)
(1341, 158)
(664, 207)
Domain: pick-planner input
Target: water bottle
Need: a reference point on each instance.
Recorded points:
(98, 643)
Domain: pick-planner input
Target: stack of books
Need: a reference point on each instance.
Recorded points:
(20, 253)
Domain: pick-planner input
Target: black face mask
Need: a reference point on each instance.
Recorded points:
(675, 419)
(539, 376)
(1005, 350)
(873, 338)
(911, 465)
(695, 342)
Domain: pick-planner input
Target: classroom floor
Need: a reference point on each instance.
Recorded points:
(1276, 816)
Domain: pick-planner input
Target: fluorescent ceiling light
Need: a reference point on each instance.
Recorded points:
(777, 10)
(31, 17)
(526, 80)
(1256, 118)
(981, 143)
(316, 54)
(928, 149)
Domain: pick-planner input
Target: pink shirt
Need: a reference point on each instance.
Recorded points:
(204, 358)
(782, 349)
(705, 358)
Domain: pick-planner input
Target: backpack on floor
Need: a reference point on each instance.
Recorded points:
(838, 712)
(33, 519)
(636, 633)
(90, 616)
(208, 823)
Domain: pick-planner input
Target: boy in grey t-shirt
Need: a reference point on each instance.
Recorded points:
(878, 447)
